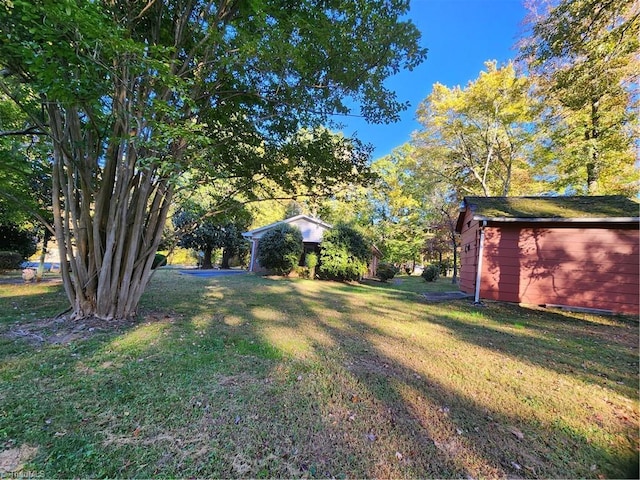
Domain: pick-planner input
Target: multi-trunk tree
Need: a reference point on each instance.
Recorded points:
(131, 94)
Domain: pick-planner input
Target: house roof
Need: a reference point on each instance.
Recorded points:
(603, 209)
(258, 231)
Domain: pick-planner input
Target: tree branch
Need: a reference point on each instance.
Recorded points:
(33, 130)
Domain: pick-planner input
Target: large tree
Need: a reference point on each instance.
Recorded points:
(25, 176)
(584, 56)
(478, 138)
(132, 93)
(200, 226)
(416, 209)
(400, 220)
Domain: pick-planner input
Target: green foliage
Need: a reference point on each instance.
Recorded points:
(201, 229)
(583, 55)
(181, 256)
(302, 271)
(431, 273)
(136, 94)
(25, 170)
(476, 137)
(400, 220)
(344, 254)
(159, 260)
(386, 271)
(443, 267)
(280, 249)
(10, 260)
(311, 260)
(15, 239)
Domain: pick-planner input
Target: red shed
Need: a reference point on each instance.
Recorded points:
(554, 251)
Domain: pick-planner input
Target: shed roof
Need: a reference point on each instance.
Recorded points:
(609, 208)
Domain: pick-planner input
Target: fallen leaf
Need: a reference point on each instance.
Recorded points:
(517, 433)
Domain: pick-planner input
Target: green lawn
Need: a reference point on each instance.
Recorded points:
(259, 377)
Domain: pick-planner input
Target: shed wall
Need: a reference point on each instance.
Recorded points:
(581, 267)
(469, 244)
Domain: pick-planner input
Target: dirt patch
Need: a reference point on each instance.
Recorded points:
(445, 296)
(59, 331)
(16, 280)
(63, 331)
(13, 460)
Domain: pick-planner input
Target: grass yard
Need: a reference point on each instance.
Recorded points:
(245, 376)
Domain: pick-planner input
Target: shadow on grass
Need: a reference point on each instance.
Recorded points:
(605, 354)
(474, 439)
(255, 377)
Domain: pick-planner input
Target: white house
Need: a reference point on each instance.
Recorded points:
(312, 232)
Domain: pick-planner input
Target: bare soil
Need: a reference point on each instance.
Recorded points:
(12, 460)
(62, 331)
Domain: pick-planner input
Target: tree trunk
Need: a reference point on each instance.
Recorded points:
(45, 242)
(107, 233)
(206, 259)
(226, 256)
(593, 163)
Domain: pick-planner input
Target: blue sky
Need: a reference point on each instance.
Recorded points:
(460, 36)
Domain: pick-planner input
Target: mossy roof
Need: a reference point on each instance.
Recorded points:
(611, 206)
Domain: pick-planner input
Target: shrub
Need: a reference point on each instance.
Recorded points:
(10, 261)
(386, 271)
(444, 267)
(311, 262)
(159, 261)
(344, 254)
(14, 239)
(431, 273)
(302, 272)
(280, 249)
(181, 256)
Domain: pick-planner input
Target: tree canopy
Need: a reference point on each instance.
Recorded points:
(131, 94)
(479, 137)
(583, 56)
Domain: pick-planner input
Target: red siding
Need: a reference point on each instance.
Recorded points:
(581, 267)
(469, 242)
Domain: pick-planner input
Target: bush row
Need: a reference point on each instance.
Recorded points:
(10, 260)
(343, 256)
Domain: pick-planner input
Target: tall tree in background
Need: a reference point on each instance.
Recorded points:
(201, 228)
(585, 56)
(400, 215)
(25, 176)
(419, 209)
(133, 93)
(479, 138)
